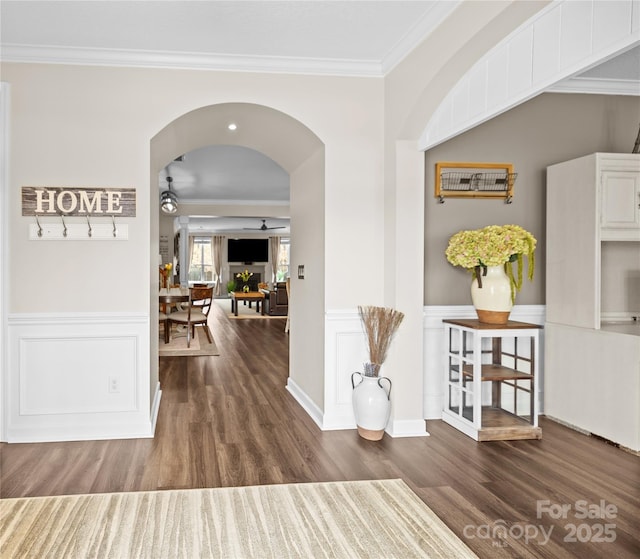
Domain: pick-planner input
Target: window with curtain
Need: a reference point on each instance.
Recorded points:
(282, 269)
(201, 265)
(217, 243)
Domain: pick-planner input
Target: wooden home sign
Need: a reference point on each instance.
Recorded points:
(90, 201)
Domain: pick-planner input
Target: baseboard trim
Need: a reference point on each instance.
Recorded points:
(399, 428)
(155, 409)
(307, 403)
(396, 429)
(136, 428)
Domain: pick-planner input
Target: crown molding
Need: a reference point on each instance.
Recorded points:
(187, 60)
(600, 86)
(424, 26)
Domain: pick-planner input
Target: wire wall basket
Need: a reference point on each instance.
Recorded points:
(497, 182)
(474, 180)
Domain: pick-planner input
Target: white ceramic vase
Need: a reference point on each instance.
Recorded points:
(493, 300)
(371, 405)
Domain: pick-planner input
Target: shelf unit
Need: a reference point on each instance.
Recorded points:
(491, 379)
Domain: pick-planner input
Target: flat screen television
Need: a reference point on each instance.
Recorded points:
(248, 250)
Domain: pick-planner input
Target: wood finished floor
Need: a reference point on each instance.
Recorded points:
(228, 421)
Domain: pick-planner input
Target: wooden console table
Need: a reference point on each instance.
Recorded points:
(491, 379)
(250, 296)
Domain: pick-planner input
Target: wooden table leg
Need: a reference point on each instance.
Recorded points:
(262, 301)
(167, 331)
(496, 394)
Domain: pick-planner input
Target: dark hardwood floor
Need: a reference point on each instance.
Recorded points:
(228, 421)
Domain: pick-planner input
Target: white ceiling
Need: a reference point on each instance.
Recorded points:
(322, 37)
(227, 175)
(625, 66)
(361, 37)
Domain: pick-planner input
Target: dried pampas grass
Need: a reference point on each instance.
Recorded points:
(380, 325)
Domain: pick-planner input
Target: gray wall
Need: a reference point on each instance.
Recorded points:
(548, 129)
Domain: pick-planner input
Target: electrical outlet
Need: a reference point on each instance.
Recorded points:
(114, 385)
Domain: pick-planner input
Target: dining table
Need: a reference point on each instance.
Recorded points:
(168, 296)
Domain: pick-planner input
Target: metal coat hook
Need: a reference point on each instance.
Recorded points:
(115, 230)
(39, 227)
(64, 231)
(89, 224)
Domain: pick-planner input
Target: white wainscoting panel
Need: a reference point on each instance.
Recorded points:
(345, 353)
(434, 349)
(50, 365)
(78, 377)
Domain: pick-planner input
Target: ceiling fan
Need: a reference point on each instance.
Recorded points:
(263, 227)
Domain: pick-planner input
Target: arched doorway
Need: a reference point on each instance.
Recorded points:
(297, 150)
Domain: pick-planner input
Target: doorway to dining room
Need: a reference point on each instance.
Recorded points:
(300, 153)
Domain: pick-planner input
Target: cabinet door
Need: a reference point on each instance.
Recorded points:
(620, 205)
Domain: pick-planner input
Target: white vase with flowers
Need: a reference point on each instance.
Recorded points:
(489, 253)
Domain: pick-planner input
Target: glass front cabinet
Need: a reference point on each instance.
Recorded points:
(491, 379)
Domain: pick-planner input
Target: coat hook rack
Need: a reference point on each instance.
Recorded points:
(86, 228)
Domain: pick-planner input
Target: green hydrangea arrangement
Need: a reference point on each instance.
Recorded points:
(494, 245)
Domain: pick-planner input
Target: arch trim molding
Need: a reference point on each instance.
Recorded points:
(562, 40)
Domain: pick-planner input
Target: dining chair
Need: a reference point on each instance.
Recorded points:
(177, 306)
(162, 319)
(197, 312)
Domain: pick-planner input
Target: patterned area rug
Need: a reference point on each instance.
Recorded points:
(177, 347)
(375, 519)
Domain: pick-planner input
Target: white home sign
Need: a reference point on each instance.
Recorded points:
(42, 201)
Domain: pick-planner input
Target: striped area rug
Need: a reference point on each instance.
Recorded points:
(374, 519)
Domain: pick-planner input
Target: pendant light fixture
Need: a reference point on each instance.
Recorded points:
(168, 199)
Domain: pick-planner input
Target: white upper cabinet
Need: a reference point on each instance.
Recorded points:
(620, 209)
(589, 200)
